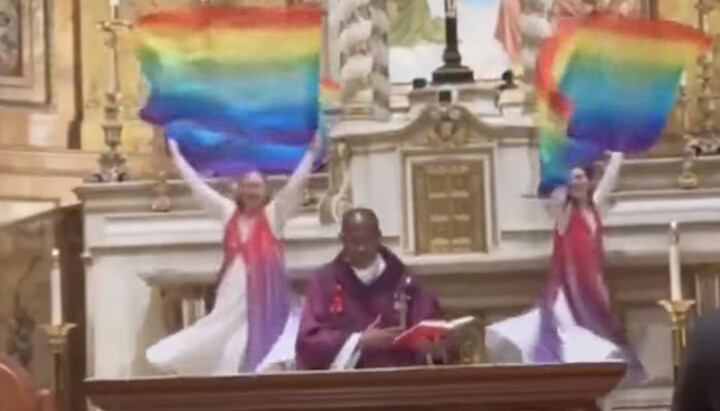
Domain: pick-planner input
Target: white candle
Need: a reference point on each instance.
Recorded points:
(675, 279)
(683, 79)
(55, 291)
(114, 6)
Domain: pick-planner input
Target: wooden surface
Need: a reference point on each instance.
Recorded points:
(459, 388)
(17, 390)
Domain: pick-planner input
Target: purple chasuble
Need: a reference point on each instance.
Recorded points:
(338, 304)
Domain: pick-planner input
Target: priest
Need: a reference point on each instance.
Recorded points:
(359, 303)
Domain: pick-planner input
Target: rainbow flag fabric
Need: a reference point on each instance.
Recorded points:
(237, 88)
(607, 83)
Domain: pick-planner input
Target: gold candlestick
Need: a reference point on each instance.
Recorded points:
(678, 312)
(161, 202)
(112, 162)
(57, 340)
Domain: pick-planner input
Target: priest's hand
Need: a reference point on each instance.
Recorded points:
(375, 338)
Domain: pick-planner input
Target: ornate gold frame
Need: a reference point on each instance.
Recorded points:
(481, 153)
(32, 87)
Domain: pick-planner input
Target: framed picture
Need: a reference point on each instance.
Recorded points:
(24, 53)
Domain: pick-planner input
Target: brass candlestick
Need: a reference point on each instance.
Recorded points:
(57, 340)
(678, 312)
(161, 202)
(112, 166)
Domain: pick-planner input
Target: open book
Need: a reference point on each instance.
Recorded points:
(430, 331)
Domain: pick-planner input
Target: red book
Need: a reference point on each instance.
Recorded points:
(430, 331)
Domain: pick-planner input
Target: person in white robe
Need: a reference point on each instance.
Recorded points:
(253, 323)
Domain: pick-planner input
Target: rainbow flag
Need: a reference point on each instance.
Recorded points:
(236, 87)
(607, 83)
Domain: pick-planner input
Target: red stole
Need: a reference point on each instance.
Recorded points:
(268, 297)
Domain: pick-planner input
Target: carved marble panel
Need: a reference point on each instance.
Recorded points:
(25, 261)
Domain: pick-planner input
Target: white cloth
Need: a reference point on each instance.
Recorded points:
(371, 273)
(215, 345)
(512, 340)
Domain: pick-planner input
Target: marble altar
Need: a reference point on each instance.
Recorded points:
(452, 185)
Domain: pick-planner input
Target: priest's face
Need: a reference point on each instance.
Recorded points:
(361, 243)
(251, 191)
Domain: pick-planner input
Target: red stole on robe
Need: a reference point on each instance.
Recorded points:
(268, 294)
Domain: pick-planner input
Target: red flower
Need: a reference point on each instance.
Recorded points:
(337, 304)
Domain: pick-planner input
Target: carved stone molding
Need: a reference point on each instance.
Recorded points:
(449, 128)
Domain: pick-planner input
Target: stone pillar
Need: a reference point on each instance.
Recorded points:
(382, 88)
(364, 57)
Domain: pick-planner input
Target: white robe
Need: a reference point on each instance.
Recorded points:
(215, 345)
(513, 340)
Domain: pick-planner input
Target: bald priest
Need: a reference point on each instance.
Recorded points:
(358, 304)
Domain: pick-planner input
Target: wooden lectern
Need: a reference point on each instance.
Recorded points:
(458, 388)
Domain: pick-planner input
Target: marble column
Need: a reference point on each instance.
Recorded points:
(364, 57)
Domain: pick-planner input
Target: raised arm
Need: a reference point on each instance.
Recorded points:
(214, 203)
(608, 182)
(288, 200)
(557, 207)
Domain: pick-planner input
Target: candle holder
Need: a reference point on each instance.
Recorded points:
(57, 335)
(678, 312)
(112, 163)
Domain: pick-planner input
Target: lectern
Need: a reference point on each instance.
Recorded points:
(458, 388)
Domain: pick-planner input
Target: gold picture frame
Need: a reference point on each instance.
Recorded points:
(24, 78)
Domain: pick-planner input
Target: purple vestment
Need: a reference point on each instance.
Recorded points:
(338, 304)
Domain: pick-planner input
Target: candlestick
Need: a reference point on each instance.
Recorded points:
(452, 70)
(112, 162)
(678, 312)
(674, 261)
(55, 290)
(57, 340)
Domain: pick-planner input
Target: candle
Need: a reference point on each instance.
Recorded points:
(675, 279)
(114, 6)
(683, 79)
(55, 291)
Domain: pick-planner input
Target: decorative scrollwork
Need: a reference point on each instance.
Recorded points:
(448, 128)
